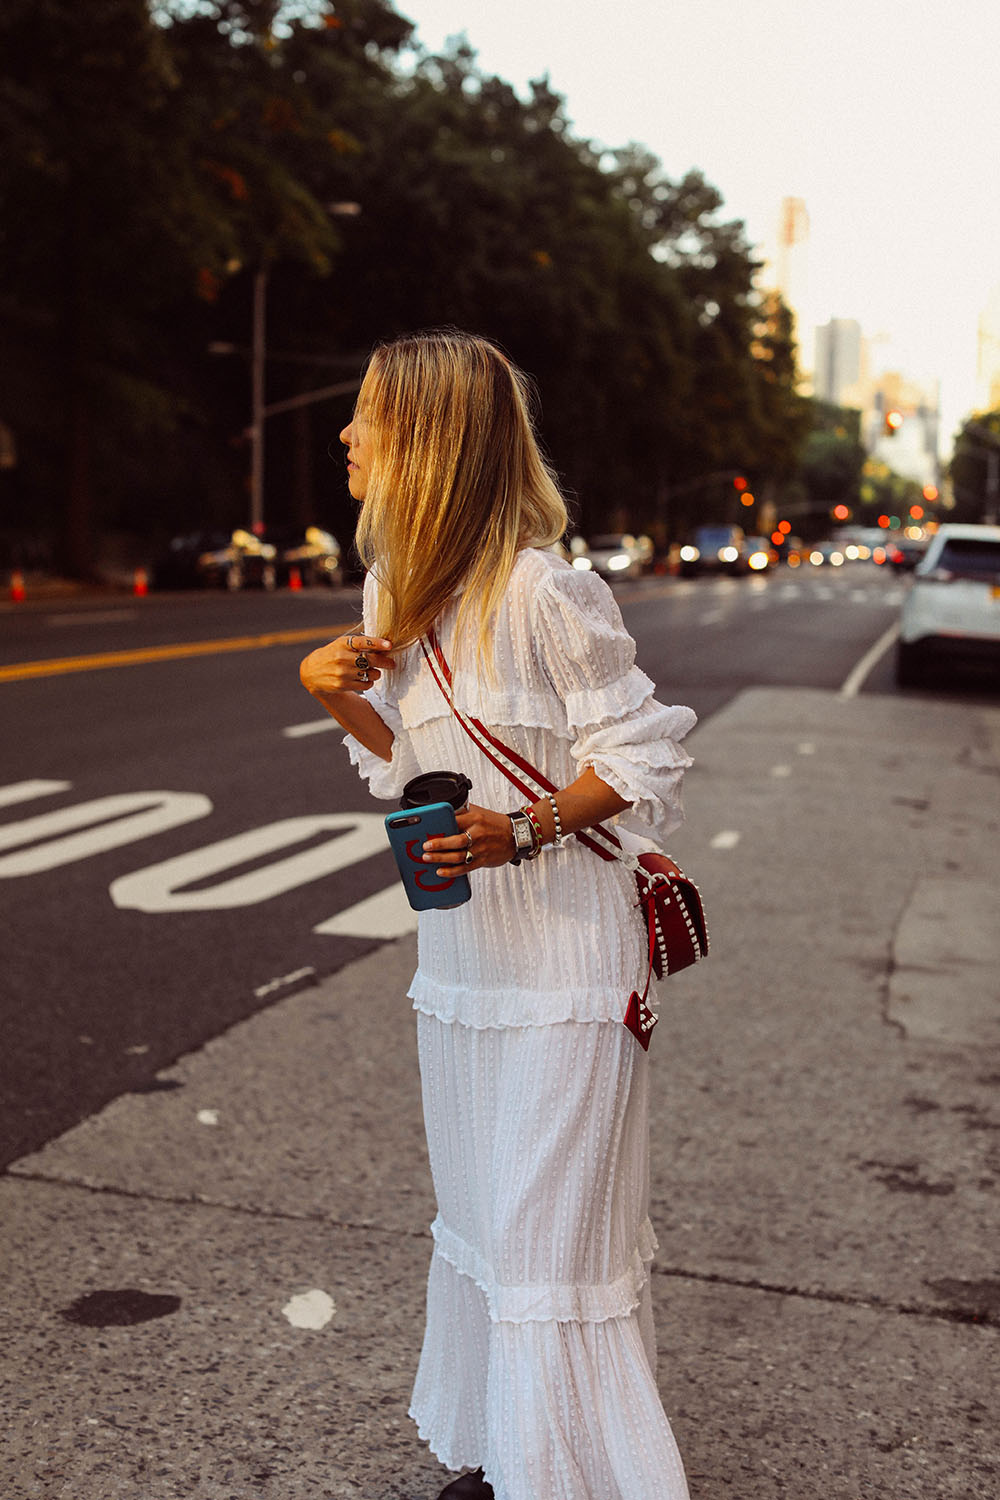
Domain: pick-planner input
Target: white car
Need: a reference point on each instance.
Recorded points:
(618, 556)
(952, 611)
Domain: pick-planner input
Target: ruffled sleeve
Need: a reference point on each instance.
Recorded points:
(620, 729)
(386, 778)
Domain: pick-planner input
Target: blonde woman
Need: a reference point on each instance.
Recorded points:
(537, 1368)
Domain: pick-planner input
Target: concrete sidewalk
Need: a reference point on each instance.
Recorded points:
(826, 1170)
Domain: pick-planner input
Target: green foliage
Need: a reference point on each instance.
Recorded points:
(975, 469)
(160, 154)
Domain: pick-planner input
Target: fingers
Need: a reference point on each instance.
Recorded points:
(351, 663)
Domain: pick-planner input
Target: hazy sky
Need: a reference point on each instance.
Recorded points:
(884, 118)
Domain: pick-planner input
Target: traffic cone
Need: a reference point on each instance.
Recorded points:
(140, 583)
(17, 586)
(294, 579)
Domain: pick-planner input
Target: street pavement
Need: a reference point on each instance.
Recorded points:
(826, 1169)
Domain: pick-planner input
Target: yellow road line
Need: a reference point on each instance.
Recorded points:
(55, 666)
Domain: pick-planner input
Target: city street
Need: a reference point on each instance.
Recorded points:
(214, 1284)
(122, 960)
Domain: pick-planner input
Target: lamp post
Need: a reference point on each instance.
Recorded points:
(259, 411)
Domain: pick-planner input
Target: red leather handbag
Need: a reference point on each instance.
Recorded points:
(676, 931)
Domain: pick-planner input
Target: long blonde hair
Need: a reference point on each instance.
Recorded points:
(456, 485)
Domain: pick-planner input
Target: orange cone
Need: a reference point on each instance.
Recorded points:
(140, 583)
(294, 579)
(17, 587)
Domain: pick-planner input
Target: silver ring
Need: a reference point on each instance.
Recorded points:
(350, 643)
(363, 677)
(469, 856)
(468, 836)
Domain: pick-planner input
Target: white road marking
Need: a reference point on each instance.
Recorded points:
(310, 1309)
(781, 771)
(314, 726)
(27, 791)
(159, 888)
(208, 1117)
(855, 679)
(710, 617)
(273, 985)
(727, 838)
(114, 821)
(387, 914)
(806, 747)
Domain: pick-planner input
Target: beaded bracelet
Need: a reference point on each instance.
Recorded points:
(558, 840)
(533, 820)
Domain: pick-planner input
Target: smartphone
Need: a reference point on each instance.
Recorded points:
(424, 887)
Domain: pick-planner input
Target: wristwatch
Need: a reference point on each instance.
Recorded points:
(526, 845)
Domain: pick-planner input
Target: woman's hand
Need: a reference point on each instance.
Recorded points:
(486, 836)
(350, 664)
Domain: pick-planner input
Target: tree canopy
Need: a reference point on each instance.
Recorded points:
(160, 155)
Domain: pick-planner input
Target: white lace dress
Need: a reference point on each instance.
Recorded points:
(538, 1361)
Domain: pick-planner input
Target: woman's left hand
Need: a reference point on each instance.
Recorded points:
(484, 839)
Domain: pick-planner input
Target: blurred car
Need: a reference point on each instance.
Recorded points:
(952, 610)
(905, 554)
(761, 553)
(619, 555)
(315, 553)
(826, 554)
(714, 549)
(216, 559)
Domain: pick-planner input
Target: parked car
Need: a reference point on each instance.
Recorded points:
(714, 549)
(216, 559)
(905, 554)
(315, 553)
(620, 555)
(951, 613)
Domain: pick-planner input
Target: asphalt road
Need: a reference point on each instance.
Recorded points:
(138, 929)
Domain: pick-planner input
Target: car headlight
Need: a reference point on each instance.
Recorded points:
(757, 561)
(617, 561)
(583, 563)
(690, 554)
(816, 558)
(728, 554)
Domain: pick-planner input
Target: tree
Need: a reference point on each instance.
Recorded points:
(975, 469)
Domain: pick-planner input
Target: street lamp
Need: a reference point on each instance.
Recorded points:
(258, 410)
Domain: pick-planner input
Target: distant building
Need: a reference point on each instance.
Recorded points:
(988, 355)
(839, 371)
(911, 447)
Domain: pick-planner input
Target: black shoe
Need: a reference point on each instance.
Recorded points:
(469, 1487)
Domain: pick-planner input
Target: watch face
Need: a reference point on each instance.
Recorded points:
(522, 833)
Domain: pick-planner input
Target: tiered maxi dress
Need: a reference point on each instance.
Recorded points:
(538, 1360)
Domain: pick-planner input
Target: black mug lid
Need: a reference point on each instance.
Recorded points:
(437, 786)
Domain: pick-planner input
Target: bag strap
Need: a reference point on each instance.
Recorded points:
(508, 761)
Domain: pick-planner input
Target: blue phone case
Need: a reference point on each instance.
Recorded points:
(407, 830)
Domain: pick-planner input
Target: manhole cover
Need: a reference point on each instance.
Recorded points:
(119, 1308)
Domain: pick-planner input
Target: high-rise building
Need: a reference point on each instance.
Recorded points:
(988, 354)
(839, 369)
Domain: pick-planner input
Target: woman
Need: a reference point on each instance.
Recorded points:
(537, 1368)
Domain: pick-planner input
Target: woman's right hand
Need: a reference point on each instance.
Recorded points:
(334, 668)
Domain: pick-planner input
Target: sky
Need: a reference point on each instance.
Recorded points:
(883, 118)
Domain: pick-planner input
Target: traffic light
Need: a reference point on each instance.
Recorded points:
(892, 422)
(739, 482)
(840, 513)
